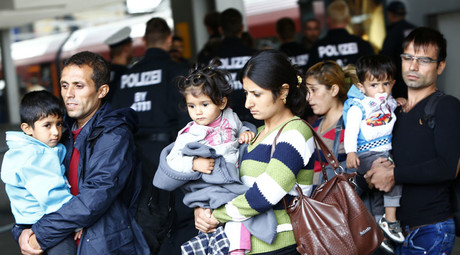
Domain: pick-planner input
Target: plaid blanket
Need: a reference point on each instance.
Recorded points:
(207, 244)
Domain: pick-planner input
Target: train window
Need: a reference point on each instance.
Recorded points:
(367, 20)
(46, 80)
(3, 113)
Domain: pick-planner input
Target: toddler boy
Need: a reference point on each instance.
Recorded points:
(32, 168)
(369, 119)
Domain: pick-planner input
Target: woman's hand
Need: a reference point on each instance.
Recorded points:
(246, 137)
(204, 221)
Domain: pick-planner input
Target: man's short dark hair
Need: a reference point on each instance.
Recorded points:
(423, 37)
(397, 8)
(119, 48)
(212, 20)
(312, 19)
(177, 38)
(231, 22)
(285, 27)
(36, 105)
(156, 31)
(378, 66)
(101, 69)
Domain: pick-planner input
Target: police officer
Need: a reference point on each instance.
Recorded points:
(285, 28)
(177, 51)
(397, 30)
(233, 55)
(149, 88)
(212, 24)
(311, 33)
(338, 45)
(297, 53)
(121, 53)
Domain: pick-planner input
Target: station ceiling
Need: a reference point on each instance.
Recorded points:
(15, 13)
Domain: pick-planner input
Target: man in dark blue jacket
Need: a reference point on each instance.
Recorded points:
(101, 167)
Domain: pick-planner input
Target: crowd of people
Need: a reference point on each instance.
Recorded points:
(166, 158)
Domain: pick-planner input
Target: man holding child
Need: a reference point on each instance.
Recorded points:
(101, 168)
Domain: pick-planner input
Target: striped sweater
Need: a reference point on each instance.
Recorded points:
(271, 178)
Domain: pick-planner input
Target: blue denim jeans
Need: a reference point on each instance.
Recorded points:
(433, 239)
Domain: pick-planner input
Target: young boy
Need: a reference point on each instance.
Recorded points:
(32, 168)
(369, 119)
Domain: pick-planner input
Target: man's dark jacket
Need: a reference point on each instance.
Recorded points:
(109, 185)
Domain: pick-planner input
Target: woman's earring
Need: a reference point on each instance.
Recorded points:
(284, 100)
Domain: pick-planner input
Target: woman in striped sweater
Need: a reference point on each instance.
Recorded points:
(275, 94)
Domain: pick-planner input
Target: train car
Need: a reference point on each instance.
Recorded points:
(38, 60)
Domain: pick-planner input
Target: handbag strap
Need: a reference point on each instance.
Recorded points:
(331, 159)
(338, 130)
(318, 142)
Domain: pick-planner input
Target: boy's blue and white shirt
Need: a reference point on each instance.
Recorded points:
(368, 122)
(34, 177)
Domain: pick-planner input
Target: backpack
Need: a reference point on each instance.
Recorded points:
(430, 109)
(429, 118)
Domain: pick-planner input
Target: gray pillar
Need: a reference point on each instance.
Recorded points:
(306, 11)
(9, 73)
(188, 22)
(200, 9)
(188, 19)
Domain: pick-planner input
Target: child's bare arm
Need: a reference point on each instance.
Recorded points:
(203, 165)
(352, 160)
(246, 137)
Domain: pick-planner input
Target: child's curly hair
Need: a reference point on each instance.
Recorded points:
(208, 80)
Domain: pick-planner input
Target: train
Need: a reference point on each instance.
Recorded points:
(38, 60)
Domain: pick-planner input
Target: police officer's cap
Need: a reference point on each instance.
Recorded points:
(119, 38)
(397, 7)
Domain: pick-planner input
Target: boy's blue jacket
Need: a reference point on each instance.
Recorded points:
(109, 185)
(34, 177)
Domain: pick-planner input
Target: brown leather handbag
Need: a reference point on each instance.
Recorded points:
(334, 220)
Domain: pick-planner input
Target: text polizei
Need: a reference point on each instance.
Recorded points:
(300, 60)
(147, 78)
(343, 49)
(234, 62)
